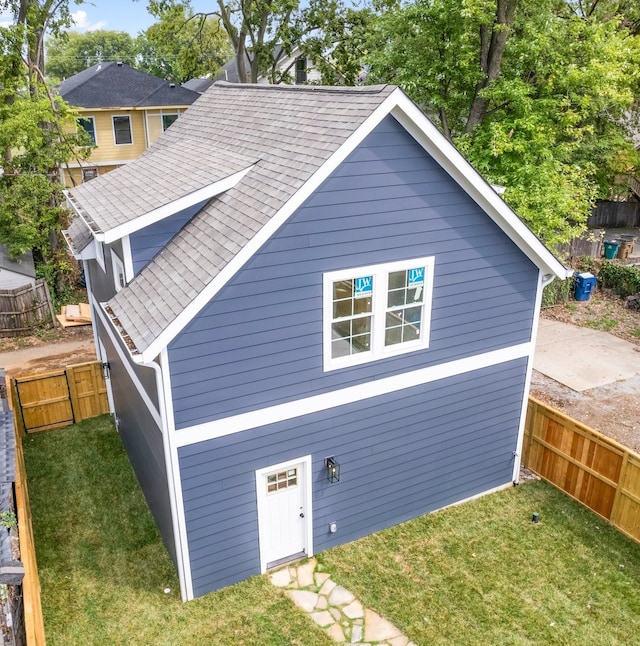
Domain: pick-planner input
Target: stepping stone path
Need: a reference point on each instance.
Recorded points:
(334, 608)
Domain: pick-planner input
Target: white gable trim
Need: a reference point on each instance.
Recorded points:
(448, 156)
(349, 395)
(175, 206)
(397, 104)
(269, 229)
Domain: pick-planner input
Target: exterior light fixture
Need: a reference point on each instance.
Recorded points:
(106, 370)
(333, 469)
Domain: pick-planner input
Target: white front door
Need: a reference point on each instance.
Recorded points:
(284, 512)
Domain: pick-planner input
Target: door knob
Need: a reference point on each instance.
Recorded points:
(301, 514)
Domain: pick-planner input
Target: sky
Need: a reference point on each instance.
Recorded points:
(116, 15)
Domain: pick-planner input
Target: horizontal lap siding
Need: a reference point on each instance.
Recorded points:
(401, 455)
(259, 342)
(147, 242)
(142, 439)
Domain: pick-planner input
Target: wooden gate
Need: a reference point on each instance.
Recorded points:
(59, 398)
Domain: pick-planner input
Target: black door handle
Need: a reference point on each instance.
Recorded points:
(301, 514)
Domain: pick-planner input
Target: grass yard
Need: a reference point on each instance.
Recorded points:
(103, 568)
(482, 573)
(478, 574)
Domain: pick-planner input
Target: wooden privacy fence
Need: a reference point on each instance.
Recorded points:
(32, 606)
(602, 474)
(25, 308)
(59, 398)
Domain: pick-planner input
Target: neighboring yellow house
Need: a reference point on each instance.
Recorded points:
(124, 111)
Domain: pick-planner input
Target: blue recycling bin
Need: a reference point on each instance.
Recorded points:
(585, 283)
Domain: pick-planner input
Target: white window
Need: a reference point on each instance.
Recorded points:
(375, 312)
(122, 130)
(119, 277)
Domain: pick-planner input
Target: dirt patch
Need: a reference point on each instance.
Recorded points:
(48, 351)
(612, 409)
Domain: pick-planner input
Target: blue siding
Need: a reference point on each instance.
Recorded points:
(147, 242)
(401, 455)
(141, 438)
(259, 342)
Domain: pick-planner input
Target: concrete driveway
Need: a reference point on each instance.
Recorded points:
(581, 358)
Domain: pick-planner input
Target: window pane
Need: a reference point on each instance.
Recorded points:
(361, 325)
(396, 298)
(342, 309)
(361, 343)
(88, 126)
(342, 289)
(413, 315)
(167, 120)
(393, 336)
(122, 129)
(362, 305)
(410, 333)
(397, 279)
(340, 348)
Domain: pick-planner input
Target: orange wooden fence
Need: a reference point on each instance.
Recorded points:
(59, 398)
(592, 468)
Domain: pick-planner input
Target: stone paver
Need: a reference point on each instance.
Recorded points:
(334, 608)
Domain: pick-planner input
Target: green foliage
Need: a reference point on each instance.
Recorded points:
(551, 118)
(8, 519)
(36, 138)
(624, 280)
(71, 52)
(557, 292)
(180, 45)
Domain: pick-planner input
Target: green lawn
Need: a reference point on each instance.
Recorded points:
(103, 568)
(481, 573)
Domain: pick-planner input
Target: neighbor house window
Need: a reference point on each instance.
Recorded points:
(301, 70)
(122, 130)
(89, 173)
(88, 124)
(378, 311)
(167, 120)
(118, 272)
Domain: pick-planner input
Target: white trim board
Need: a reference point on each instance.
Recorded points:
(270, 228)
(308, 503)
(333, 399)
(162, 212)
(427, 135)
(125, 360)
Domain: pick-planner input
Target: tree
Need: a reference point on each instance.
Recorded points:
(71, 52)
(263, 33)
(35, 138)
(533, 93)
(181, 45)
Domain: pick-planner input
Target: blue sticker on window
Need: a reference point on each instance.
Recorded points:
(416, 276)
(363, 287)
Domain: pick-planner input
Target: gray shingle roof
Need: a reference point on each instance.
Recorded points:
(287, 132)
(117, 85)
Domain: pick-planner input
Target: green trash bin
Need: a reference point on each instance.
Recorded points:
(611, 248)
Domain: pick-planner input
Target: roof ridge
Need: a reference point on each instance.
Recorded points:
(317, 89)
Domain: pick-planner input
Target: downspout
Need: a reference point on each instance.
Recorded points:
(169, 469)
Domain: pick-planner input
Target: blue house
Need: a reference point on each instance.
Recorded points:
(319, 321)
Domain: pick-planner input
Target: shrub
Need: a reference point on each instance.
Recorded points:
(624, 280)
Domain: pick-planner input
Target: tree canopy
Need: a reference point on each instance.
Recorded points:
(36, 137)
(180, 45)
(533, 93)
(71, 52)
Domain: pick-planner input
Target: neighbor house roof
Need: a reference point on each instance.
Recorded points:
(272, 145)
(23, 265)
(117, 85)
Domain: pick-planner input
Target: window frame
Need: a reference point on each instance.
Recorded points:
(168, 114)
(378, 350)
(94, 133)
(117, 267)
(115, 133)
